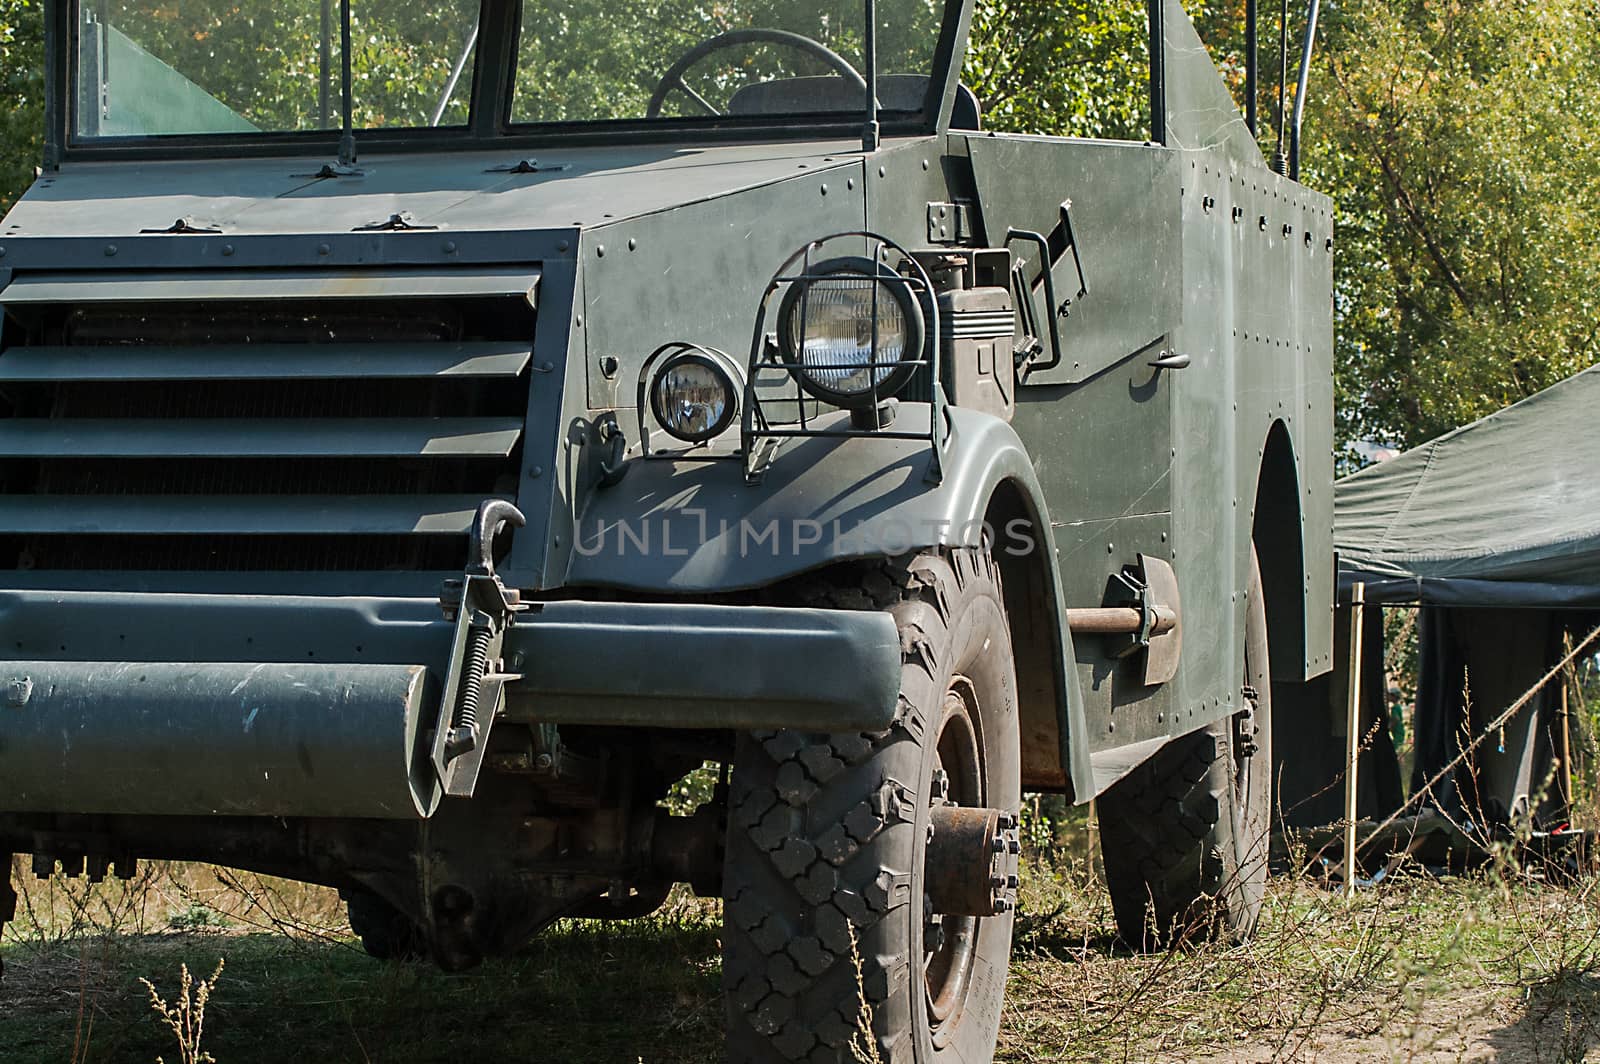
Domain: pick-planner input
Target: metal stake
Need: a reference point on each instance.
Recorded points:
(1352, 738)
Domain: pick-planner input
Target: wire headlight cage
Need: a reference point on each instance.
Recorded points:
(721, 376)
(856, 320)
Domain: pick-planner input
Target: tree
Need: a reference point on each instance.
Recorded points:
(1062, 67)
(21, 96)
(1458, 139)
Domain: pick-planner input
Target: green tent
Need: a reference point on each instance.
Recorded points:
(1502, 512)
(1494, 531)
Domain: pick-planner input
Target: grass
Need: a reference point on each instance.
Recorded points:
(1495, 964)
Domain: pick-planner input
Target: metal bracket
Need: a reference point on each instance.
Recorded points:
(1244, 731)
(1164, 647)
(184, 225)
(1134, 592)
(482, 608)
(528, 166)
(1049, 251)
(333, 171)
(614, 456)
(1150, 588)
(19, 691)
(395, 223)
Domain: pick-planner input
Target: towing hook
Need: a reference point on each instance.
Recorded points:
(492, 516)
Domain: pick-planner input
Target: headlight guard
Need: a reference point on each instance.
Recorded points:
(711, 371)
(851, 330)
(847, 266)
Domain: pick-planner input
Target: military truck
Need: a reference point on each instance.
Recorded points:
(430, 432)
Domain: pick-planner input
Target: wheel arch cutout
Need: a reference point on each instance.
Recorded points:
(1047, 700)
(1278, 533)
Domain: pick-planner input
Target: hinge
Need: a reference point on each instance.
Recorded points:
(528, 166)
(184, 226)
(949, 223)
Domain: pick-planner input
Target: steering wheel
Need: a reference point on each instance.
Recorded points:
(673, 78)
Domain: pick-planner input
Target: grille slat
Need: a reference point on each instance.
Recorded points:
(277, 436)
(218, 437)
(243, 515)
(262, 362)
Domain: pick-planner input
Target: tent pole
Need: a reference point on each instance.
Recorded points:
(1358, 596)
(1565, 778)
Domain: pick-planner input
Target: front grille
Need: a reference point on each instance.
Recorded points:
(333, 435)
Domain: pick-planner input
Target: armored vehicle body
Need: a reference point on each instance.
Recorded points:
(428, 433)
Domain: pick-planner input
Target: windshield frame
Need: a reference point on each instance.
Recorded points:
(489, 126)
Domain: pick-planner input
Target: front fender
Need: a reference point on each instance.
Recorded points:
(696, 527)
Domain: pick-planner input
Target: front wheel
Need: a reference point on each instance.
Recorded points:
(871, 878)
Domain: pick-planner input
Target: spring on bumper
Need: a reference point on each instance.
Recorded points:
(464, 730)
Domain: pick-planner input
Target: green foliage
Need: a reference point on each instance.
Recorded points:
(1062, 67)
(584, 60)
(21, 95)
(1458, 139)
(263, 59)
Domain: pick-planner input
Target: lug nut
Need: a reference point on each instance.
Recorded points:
(1013, 882)
(1015, 846)
(998, 844)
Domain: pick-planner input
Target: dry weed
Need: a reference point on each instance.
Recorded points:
(186, 1015)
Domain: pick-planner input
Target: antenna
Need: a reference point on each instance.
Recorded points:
(1280, 162)
(347, 139)
(325, 58)
(870, 133)
(1300, 89)
(1252, 49)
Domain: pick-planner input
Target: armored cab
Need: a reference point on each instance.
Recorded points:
(428, 433)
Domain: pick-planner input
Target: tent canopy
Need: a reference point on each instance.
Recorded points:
(1502, 512)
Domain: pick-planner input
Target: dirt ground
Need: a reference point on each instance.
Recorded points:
(1473, 1026)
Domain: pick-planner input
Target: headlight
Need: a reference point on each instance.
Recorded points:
(853, 328)
(693, 397)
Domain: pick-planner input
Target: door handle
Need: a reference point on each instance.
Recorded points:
(1172, 360)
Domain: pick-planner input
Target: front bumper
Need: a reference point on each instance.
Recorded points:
(175, 704)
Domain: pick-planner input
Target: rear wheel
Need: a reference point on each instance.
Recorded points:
(1186, 835)
(385, 932)
(870, 878)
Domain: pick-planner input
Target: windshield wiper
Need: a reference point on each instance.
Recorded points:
(455, 76)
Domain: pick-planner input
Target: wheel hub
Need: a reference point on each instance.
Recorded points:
(969, 862)
(972, 861)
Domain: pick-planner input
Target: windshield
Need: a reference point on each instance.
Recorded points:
(608, 60)
(162, 67)
(151, 68)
